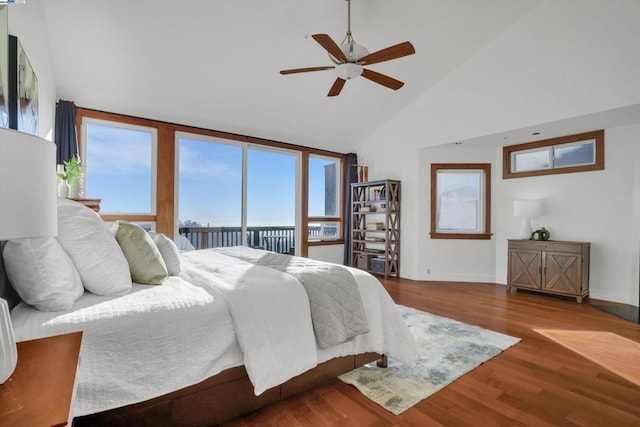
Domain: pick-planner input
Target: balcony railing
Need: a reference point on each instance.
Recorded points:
(276, 239)
(272, 238)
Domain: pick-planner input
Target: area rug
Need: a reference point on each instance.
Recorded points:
(447, 349)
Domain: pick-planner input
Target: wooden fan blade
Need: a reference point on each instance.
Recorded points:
(327, 42)
(304, 70)
(383, 80)
(392, 52)
(337, 87)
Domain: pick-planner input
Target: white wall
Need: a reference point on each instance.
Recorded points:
(563, 59)
(328, 253)
(635, 282)
(596, 207)
(450, 259)
(27, 22)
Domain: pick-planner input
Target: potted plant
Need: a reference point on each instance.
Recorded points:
(69, 178)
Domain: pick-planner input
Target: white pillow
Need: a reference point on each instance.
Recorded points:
(93, 249)
(185, 244)
(42, 273)
(170, 253)
(145, 261)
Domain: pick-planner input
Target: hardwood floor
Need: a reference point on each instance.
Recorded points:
(538, 382)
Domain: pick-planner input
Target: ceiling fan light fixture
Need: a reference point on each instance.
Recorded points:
(350, 58)
(348, 70)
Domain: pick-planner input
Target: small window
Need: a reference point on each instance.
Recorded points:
(324, 198)
(574, 153)
(460, 201)
(319, 231)
(324, 186)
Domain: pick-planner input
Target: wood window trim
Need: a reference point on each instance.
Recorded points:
(165, 189)
(129, 217)
(338, 241)
(304, 227)
(486, 167)
(325, 243)
(598, 135)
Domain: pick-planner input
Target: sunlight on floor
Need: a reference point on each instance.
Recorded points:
(611, 351)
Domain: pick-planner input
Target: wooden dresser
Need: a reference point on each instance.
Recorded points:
(553, 267)
(90, 203)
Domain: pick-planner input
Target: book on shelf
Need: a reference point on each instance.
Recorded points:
(375, 251)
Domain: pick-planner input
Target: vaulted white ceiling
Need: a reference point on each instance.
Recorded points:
(214, 64)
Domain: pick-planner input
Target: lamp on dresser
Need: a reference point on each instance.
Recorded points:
(526, 209)
(27, 210)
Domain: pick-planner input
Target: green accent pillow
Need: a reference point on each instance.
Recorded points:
(142, 254)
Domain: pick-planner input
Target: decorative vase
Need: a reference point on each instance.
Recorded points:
(541, 234)
(8, 349)
(74, 191)
(76, 188)
(63, 189)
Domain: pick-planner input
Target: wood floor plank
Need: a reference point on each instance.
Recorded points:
(538, 382)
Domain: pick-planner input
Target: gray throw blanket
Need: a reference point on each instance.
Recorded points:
(337, 312)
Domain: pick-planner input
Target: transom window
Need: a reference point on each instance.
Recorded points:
(574, 153)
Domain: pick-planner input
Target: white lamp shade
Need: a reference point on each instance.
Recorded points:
(27, 186)
(348, 70)
(527, 208)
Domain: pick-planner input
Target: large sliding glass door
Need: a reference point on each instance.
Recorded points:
(271, 199)
(231, 193)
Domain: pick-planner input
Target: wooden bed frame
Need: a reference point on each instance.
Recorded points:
(222, 397)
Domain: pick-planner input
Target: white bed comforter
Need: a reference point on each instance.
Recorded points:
(337, 313)
(270, 310)
(158, 339)
(154, 340)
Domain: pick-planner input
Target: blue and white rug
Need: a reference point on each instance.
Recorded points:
(447, 349)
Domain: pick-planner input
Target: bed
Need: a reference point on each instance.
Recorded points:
(233, 331)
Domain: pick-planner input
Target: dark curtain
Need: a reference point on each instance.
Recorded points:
(352, 176)
(65, 137)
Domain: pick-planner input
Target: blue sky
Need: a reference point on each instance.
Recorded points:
(210, 179)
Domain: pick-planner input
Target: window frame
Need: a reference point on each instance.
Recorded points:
(508, 153)
(323, 219)
(143, 216)
(244, 203)
(485, 168)
(165, 217)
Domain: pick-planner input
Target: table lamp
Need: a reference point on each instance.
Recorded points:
(27, 209)
(526, 209)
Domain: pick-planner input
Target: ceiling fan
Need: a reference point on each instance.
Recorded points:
(350, 58)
